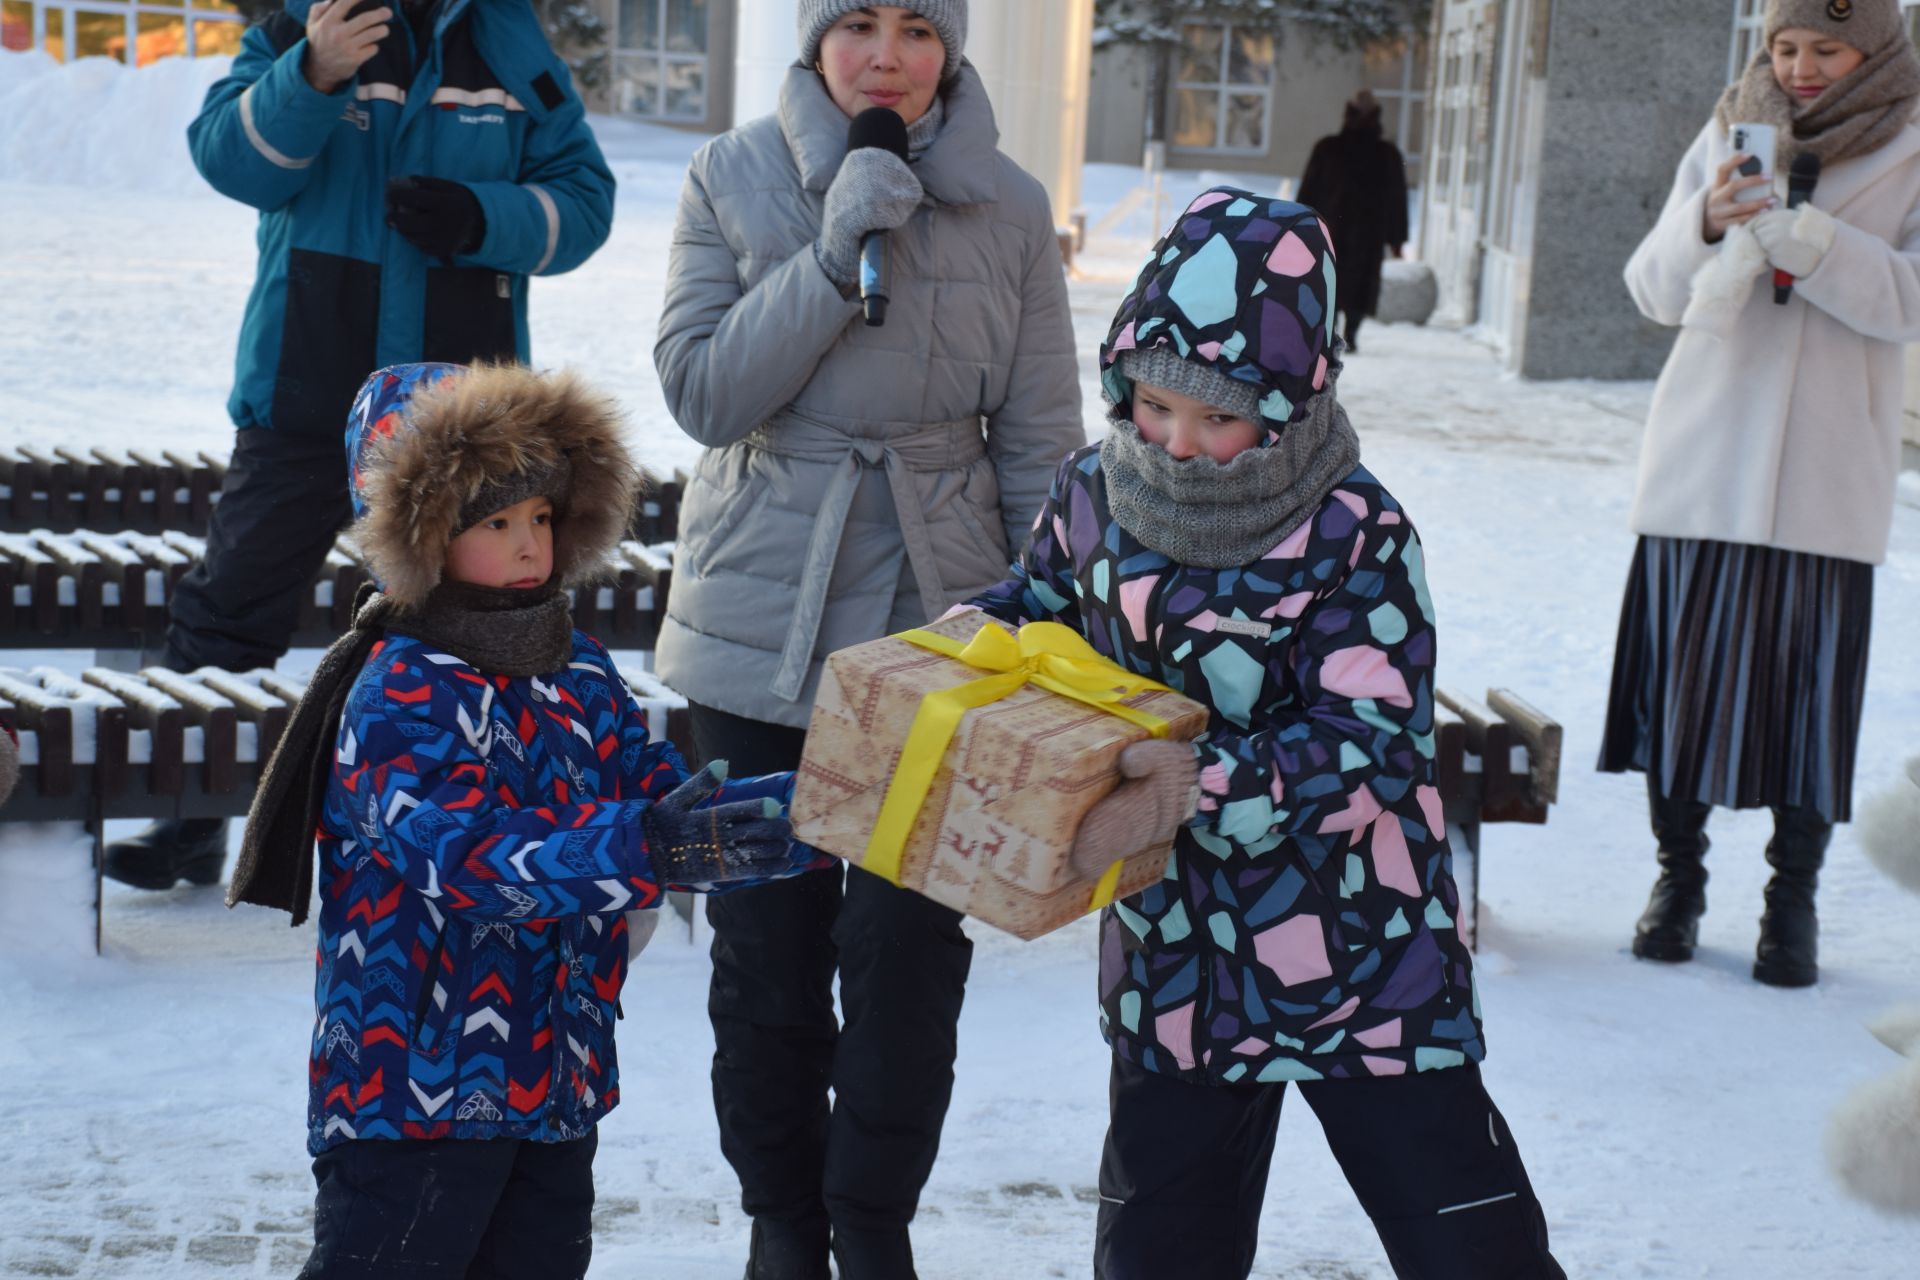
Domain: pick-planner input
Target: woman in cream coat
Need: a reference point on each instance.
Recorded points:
(1767, 476)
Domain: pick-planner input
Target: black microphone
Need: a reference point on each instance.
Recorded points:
(1802, 178)
(879, 127)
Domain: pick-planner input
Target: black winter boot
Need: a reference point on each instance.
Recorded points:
(874, 1255)
(173, 849)
(1788, 953)
(1670, 926)
(788, 1249)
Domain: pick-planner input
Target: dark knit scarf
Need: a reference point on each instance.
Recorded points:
(1860, 112)
(498, 631)
(1219, 516)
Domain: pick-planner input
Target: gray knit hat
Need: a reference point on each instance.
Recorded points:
(1867, 25)
(949, 19)
(1163, 367)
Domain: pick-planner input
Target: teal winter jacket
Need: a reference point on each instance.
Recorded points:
(482, 101)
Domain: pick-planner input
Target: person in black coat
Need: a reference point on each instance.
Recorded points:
(1358, 182)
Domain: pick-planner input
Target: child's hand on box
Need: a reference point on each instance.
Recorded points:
(1160, 791)
(743, 840)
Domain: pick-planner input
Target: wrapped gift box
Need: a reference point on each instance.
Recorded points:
(993, 834)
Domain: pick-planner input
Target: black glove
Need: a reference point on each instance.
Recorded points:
(441, 217)
(740, 841)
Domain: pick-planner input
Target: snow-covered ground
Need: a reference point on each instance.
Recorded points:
(1671, 1117)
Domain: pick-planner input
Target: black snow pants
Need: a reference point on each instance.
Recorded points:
(473, 1209)
(281, 506)
(902, 962)
(1428, 1155)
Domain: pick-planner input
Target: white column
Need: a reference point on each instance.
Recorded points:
(1037, 62)
(764, 47)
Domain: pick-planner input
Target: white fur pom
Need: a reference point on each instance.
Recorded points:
(1889, 828)
(1873, 1141)
(1899, 1030)
(1721, 287)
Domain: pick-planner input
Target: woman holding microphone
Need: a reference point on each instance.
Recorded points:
(857, 481)
(1767, 476)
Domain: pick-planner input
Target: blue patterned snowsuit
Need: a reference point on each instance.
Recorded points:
(480, 839)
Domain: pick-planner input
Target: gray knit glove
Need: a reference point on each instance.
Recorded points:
(875, 190)
(1160, 791)
(744, 840)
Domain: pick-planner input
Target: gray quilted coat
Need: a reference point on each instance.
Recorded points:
(856, 481)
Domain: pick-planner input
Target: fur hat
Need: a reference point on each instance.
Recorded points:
(949, 19)
(1873, 1140)
(1867, 25)
(9, 761)
(434, 448)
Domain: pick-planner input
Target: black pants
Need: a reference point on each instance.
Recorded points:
(498, 1209)
(281, 505)
(902, 961)
(1429, 1156)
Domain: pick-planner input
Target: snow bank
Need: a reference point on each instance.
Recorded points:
(96, 123)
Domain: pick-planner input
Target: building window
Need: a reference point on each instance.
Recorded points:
(1749, 18)
(660, 59)
(1223, 89)
(131, 31)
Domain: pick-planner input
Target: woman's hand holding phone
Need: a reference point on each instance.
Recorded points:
(1727, 203)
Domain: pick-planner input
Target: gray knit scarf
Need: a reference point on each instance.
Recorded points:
(1859, 113)
(1212, 516)
(498, 631)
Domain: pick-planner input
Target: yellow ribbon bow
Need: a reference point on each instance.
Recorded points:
(1048, 654)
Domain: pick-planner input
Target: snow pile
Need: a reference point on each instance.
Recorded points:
(96, 123)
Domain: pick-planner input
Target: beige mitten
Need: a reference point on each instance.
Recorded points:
(1161, 789)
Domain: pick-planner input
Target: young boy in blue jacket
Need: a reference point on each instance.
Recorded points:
(489, 804)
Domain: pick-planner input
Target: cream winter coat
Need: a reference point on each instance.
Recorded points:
(1780, 425)
(857, 481)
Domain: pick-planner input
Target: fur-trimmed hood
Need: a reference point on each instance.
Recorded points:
(424, 440)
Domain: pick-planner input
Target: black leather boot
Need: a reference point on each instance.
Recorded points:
(874, 1255)
(788, 1249)
(1670, 926)
(171, 850)
(1788, 954)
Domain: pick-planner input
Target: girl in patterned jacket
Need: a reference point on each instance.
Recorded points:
(1224, 539)
(489, 807)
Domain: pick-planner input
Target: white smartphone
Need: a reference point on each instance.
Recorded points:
(1757, 142)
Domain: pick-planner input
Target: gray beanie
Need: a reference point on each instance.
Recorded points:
(949, 19)
(1867, 25)
(1162, 367)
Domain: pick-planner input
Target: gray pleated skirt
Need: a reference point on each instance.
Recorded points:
(1739, 674)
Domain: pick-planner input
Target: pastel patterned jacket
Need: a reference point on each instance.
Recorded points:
(1305, 928)
(479, 842)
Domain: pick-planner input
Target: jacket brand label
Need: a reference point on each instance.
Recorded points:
(1243, 627)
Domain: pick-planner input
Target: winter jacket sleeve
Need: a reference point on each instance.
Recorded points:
(418, 790)
(1038, 423)
(1359, 665)
(1661, 272)
(1393, 179)
(561, 209)
(649, 769)
(1313, 181)
(1869, 285)
(730, 358)
(1039, 586)
(262, 125)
